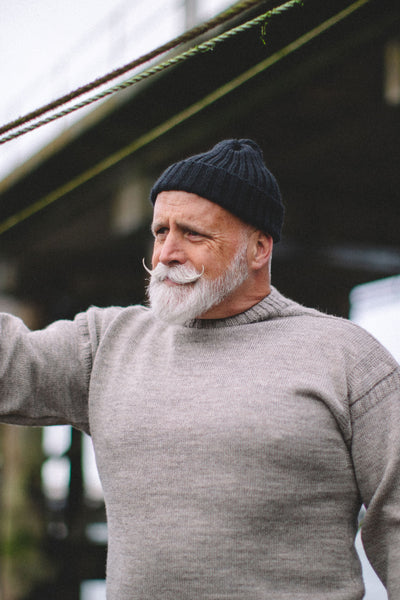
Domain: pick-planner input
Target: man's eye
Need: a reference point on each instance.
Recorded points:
(192, 233)
(160, 231)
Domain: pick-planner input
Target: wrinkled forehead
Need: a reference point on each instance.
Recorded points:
(191, 208)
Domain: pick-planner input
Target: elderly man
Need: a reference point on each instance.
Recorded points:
(237, 433)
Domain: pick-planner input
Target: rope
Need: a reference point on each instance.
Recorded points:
(176, 120)
(188, 36)
(201, 48)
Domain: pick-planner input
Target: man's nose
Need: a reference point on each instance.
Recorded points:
(172, 250)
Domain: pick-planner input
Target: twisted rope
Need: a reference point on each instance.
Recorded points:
(201, 48)
(187, 36)
(176, 120)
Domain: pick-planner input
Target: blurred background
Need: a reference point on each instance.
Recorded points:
(318, 87)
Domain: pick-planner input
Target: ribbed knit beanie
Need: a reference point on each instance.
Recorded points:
(232, 174)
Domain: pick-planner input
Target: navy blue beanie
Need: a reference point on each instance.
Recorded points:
(232, 174)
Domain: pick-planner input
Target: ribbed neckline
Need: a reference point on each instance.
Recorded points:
(269, 307)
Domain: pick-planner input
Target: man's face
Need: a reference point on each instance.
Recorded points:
(192, 232)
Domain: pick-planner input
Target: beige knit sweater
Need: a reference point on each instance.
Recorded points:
(234, 454)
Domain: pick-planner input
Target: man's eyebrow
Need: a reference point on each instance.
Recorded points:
(201, 229)
(183, 225)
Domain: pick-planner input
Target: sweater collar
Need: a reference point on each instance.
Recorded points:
(269, 307)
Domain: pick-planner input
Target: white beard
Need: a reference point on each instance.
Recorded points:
(180, 304)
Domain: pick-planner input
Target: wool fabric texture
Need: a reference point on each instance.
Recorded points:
(232, 174)
(234, 454)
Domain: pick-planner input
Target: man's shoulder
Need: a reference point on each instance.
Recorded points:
(292, 308)
(331, 329)
(105, 316)
(98, 322)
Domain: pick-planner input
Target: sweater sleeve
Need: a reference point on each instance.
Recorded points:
(376, 457)
(44, 375)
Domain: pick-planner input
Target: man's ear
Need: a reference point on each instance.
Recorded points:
(260, 249)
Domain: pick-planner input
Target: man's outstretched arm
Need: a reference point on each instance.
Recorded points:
(44, 375)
